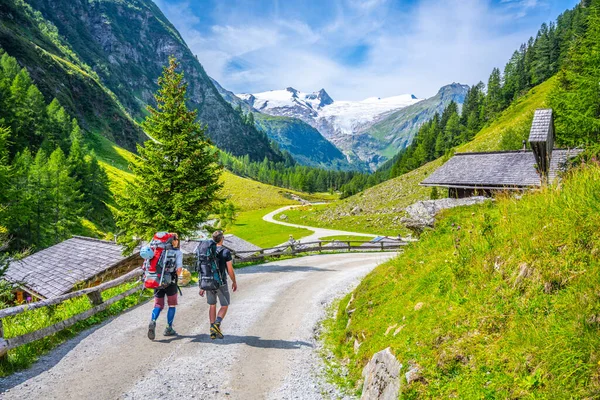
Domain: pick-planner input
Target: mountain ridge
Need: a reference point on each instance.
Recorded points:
(338, 121)
(369, 131)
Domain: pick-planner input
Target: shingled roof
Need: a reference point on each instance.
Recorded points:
(56, 270)
(231, 242)
(541, 126)
(188, 247)
(237, 244)
(493, 170)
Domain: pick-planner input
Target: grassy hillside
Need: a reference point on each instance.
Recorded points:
(380, 204)
(499, 301)
(514, 120)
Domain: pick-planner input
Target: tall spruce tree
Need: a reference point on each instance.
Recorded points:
(20, 219)
(4, 174)
(493, 100)
(41, 213)
(576, 99)
(177, 177)
(65, 198)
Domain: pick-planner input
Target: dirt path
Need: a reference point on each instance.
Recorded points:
(318, 232)
(268, 351)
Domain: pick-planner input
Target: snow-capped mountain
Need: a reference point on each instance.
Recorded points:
(319, 109)
(337, 121)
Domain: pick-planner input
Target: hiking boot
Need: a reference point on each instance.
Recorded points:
(152, 330)
(213, 332)
(217, 326)
(169, 331)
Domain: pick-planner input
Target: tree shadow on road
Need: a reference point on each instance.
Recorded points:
(252, 341)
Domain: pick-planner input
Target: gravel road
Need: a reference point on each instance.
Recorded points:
(268, 350)
(317, 232)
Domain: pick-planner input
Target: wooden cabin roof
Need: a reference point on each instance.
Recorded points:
(56, 270)
(493, 170)
(541, 126)
(236, 244)
(231, 242)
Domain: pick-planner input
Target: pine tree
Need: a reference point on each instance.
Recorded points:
(177, 178)
(38, 190)
(452, 133)
(20, 218)
(576, 100)
(96, 192)
(4, 171)
(59, 128)
(65, 197)
(493, 101)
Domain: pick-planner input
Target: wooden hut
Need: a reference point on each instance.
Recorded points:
(469, 174)
(73, 264)
(234, 243)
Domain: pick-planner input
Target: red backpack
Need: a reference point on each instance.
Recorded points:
(159, 270)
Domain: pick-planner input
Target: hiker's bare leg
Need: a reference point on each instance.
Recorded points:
(212, 313)
(222, 311)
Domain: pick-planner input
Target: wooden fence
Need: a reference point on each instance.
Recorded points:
(95, 296)
(318, 246)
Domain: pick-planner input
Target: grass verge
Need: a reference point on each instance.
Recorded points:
(499, 301)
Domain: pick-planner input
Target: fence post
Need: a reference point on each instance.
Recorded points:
(95, 298)
(381, 245)
(349, 247)
(3, 344)
(320, 246)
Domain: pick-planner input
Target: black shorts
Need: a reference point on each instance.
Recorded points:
(170, 290)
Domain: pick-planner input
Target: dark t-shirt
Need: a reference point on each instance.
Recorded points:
(223, 255)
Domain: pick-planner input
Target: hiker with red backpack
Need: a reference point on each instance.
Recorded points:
(163, 263)
(214, 264)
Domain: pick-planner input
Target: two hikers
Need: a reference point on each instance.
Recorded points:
(164, 262)
(225, 266)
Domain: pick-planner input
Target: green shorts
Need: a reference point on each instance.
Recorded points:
(222, 293)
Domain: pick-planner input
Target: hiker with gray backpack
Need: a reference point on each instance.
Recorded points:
(214, 264)
(163, 262)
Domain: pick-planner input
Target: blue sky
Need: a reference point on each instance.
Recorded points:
(356, 48)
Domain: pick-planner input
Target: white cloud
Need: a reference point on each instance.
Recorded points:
(410, 51)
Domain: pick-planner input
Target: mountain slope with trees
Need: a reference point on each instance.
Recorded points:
(105, 56)
(303, 142)
(51, 183)
(397, 131)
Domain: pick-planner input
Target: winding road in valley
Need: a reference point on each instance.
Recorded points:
(318, 232)
(268, 351)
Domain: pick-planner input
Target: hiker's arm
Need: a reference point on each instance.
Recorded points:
(231, 275)
(179, 262)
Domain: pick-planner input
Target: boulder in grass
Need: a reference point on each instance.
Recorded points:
(381, 377)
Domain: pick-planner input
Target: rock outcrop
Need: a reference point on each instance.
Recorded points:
(381, 377)
(422, 213)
